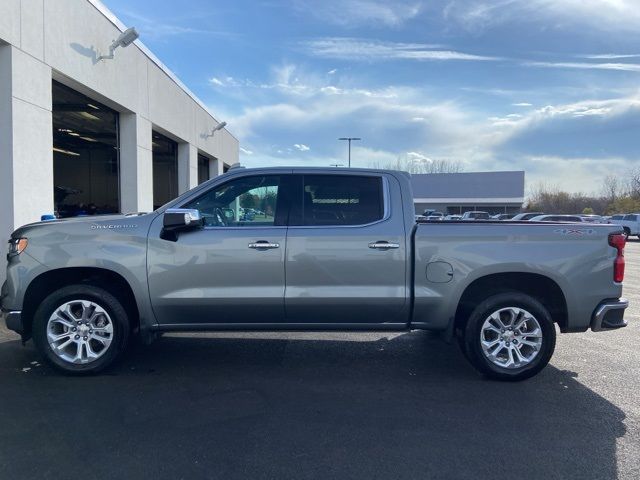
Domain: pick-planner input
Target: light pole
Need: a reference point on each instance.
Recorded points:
(349, 139)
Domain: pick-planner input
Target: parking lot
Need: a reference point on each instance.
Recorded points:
(329, 405)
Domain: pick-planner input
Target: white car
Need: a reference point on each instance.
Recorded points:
(526, 216)
(593, 218)
(616, 219)
(631, 224)
(557, 218)
(476, 215)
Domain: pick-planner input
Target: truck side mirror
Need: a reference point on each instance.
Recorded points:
(177, 219)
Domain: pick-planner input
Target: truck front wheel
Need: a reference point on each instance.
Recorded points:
(80, 329)
(509, 336)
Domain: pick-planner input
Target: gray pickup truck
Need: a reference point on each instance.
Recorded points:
(310, 249)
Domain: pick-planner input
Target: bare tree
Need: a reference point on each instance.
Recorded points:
(611, 188)
(634, 183)
(550, 199)
(414, 163)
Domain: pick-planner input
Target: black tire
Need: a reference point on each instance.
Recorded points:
(99, 296)
(471, 341)
(627, 232)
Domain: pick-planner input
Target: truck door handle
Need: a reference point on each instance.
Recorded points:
(382, 245)
(263, 245)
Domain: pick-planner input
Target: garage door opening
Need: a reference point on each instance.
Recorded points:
(165, 170)
(85, 155)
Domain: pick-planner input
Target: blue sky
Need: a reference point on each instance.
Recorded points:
(548, 86)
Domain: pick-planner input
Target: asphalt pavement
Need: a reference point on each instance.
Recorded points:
(330, 405)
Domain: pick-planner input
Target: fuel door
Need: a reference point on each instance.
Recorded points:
(439, 272)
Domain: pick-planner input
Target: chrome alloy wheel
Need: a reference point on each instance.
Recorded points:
(79, 331)
(511, 337)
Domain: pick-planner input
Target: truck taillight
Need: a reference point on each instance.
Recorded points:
(617, 241)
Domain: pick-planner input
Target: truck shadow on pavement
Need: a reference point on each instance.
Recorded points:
(313, 406)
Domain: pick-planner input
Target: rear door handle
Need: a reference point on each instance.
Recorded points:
(382, 245)
(263, 245)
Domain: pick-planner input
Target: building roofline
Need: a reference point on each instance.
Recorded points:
(478, 200)
(109, 15)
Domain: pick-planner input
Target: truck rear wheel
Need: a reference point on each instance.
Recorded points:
(509, 336)
(80, 329)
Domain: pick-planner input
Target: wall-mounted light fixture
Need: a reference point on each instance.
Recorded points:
(125, 39)
(220, 126)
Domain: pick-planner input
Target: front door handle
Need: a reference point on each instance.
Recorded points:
(382, 245)
(263, 245)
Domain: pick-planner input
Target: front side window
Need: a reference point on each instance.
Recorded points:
(631, 218)
(243, 202)
(341, 200)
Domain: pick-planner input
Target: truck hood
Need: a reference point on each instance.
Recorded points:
(97, 222)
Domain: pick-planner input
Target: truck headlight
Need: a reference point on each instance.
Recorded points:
(17, 245)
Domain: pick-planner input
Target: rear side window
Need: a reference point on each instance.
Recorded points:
(341, 200)
(617, 217)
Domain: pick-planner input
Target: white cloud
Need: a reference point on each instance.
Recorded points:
(628, 67)
(601, 15)
(333, 71)
(352, 13)
(245, 151)
(346, 48)
(155, 29)
(396, 121)
(610, 56)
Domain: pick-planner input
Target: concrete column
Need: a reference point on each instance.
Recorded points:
(187, 167)
(26, 142)
(215, 167)
(136, 164)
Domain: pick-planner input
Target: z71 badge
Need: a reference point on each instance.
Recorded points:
(575, 231)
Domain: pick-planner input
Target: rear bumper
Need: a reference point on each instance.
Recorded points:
(13, 319)
(609, 315)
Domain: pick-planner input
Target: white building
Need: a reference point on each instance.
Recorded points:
(81, 135)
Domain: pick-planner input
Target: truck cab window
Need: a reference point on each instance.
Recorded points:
(342, 200)
(243, 202)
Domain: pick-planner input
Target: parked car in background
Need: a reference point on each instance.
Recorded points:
(526, 216)
(557, 218)
(476, 215)
(593, 218)
(503, 216)
(616, 219)
(631, 224)
(453, 217)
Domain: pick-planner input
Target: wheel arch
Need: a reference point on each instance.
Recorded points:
(539, 286)
(48, 282)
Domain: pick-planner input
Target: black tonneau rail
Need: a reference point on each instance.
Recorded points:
(510, 222)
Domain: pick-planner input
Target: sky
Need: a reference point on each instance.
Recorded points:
(548, 86)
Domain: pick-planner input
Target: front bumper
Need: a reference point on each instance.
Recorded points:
(609, 315)
(13, 320)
